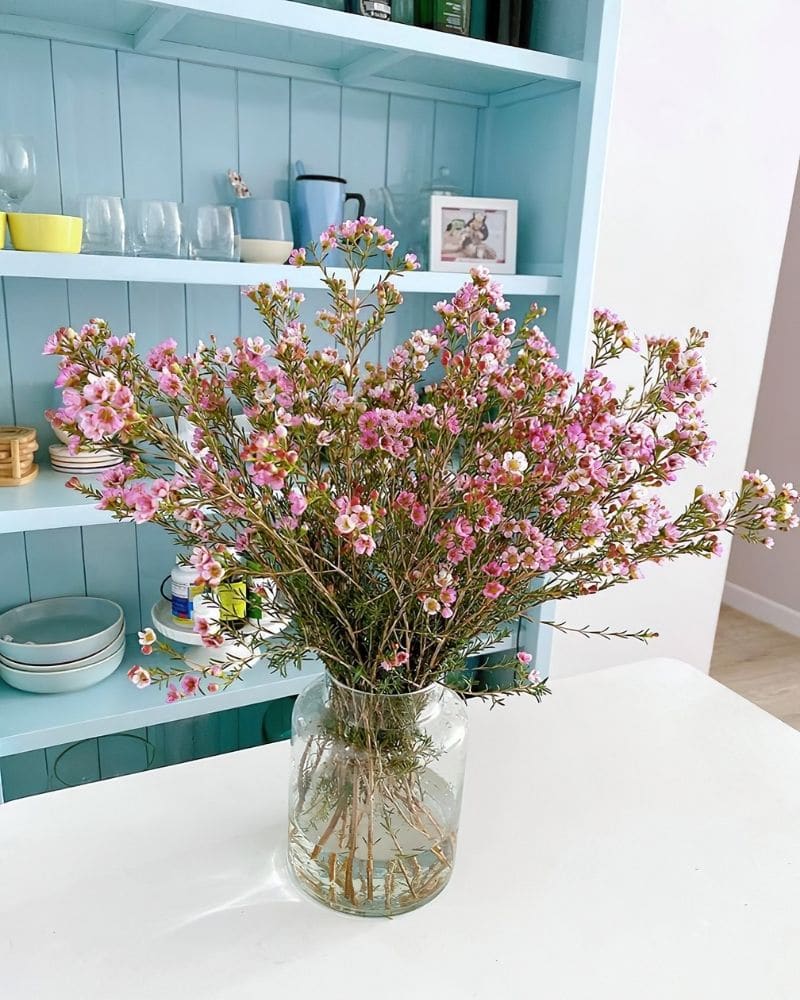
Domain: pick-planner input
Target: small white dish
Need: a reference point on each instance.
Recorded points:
(92, 470)
(265, 251)
(117, 643)
(62, 681)
(59, 630)
(60, 453)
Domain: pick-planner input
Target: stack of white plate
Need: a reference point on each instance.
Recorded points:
(85, 463)
(62, 644)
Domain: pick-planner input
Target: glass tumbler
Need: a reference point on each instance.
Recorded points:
(103, 224)
(211, 233)
(17, 170)
(154, 228)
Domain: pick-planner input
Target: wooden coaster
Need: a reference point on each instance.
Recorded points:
(16, 465)
(20, 434)
(22, 480)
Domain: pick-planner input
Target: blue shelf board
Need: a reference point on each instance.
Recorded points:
(47, 503)
(294, 39)
(34, 721)
(91, 267)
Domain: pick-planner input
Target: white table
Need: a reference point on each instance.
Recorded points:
(637, 837)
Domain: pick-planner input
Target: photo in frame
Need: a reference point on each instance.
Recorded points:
(466, 232)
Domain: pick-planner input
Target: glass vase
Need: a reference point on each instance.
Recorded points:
(375, 795)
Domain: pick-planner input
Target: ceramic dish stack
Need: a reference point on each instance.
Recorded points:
(84, 463)
(18, 446)
(61, 644)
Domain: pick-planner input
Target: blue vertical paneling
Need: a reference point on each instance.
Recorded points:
(24, 774)
(106, 300)
(156, 554)
(34, 307)
(250, 322)
(109, 554)
(211, 310)
(410, 145)
(26, 106)
(87, 112)
(208, 132)
(263, 128)
(14, 588)
(158, 312)
(55, 563)
(454, 145)
(124, 753)
(316, 115)
(363, 157)
(73, 764)
(6, 396)
(151, 155)
(209, 149)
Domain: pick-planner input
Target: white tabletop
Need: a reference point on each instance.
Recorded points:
(636, 837)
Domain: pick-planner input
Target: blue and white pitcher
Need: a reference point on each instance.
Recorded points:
(319, 201)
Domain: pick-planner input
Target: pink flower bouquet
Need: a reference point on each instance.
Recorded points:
(405, 512)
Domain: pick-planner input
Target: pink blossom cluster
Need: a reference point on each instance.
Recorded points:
(356, 522)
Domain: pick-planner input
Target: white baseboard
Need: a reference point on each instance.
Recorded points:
(762, 608)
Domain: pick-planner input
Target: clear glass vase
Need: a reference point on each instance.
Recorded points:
(375, 795)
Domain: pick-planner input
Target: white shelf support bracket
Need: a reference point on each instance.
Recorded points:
(159, 24)
(370, 65)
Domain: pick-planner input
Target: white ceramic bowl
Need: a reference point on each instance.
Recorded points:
(62, 681)
(265, 251)
(59, 630)
(117, 643)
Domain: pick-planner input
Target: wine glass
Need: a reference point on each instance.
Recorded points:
(17, 170)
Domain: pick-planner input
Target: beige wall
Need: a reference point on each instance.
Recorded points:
(702, 157)
(775, 442)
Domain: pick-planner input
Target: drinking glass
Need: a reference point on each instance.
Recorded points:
(17, 170)
(103, 224)
(154, 228)
(211, 233)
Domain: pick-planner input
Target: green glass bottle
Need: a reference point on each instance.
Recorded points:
(444, 15)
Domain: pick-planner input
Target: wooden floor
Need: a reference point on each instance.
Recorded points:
(759, 662)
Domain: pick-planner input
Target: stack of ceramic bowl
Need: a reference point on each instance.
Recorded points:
(83, 463)
(18, 446)
(61, 644)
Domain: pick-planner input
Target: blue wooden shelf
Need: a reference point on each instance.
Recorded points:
(286, 38)
(34, 721)
(91, 267)
(47, 503)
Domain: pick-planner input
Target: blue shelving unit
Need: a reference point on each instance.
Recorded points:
(158, 100)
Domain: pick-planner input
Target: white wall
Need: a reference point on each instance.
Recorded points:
(702, 154)
(763, 583)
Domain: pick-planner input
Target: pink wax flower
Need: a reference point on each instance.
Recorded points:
(169, 383)
(297, 502)
(140, 677)
(524, 658)
(493, 590)
(173, 694)
(190, 684)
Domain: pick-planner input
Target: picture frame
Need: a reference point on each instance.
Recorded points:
(469, 232)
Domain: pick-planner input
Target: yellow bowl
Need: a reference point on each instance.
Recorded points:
(2, 230)
(48, 233)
